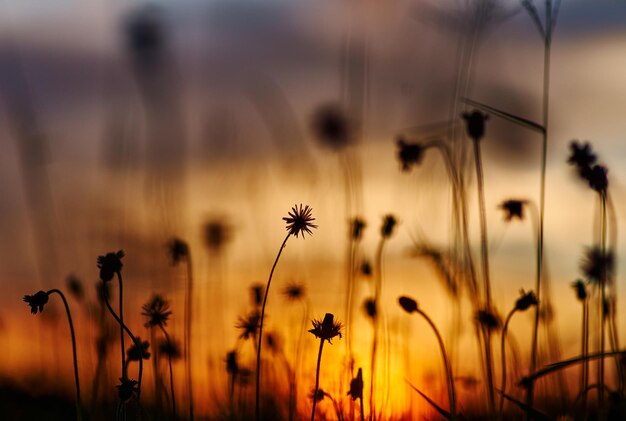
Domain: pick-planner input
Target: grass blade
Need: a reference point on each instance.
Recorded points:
(439, 409)
(532, 412)
(507, 116)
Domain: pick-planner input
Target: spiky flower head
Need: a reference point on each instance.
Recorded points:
(332, 127)
(409, 154)
(389, 223)
(326, 329)
(294, 291)
(356, 386)
(178, 250)
(526, 300)
(581, 289)
(127, 389)
(357, 226)
(157, 310)
(110, 264)
(408, 304)
(299, 221)
(513, 208)
(475, 124)
(36, 301)
(249, 325)
(138, 350)
(597, 265)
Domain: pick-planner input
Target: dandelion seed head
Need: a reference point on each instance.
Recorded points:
(299, 221)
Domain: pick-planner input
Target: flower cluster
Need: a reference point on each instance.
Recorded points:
(583, 158)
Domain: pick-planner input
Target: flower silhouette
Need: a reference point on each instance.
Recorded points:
(513, 209)
(366, 268)
(389, 223)
(326, 329)
(110, 264)
(75, 286)
(178, 250)
(256, 292)
(216, 234)
(249, 325)
(157, 311)
(408, 304)
(138, 350)
(37, 301)
(369, 306)
(475, 124)
(582, 155)
(356, 386)
(597, 178)
(526, 300)
(332, 127)
(319, 396)
(597, 265)
(127, 389)
(170, 348)
(409, 154)
(294, 291)
(580, 288)
(299, 221)
(357, 227)
(488, 319)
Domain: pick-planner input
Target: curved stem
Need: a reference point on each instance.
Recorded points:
(79, 414)
(188, 323)
(169, 361)
(503, 355)
(317, 379)
(377, 291)
(446, 363)
(260, 343)
(121, 309)
(132, 337)
(585, 351)
(603, 275)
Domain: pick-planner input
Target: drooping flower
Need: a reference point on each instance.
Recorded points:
(513, 208)
(249, 325)
(409, 154)
(581, 289)
(138, 350)
(597, 265)
(357, 227)
(389, 223)
(299, 221)
(408, 304)
(127, 389)
(326, 329)
(526, 300)
(36, 301)
(332, 126)
(356, 386)
(157, 310)
(178, 250)
(294, 291)
(475, 124)
(110, 264)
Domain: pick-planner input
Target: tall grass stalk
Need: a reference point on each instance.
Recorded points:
(169, 362)
(187, 338)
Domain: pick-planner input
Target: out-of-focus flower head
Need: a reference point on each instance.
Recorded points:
(596, 265)
(256, 293)
(513, 208)
(249, 325)
(216, 234)
(356, 386)
(389, 223)
(369, 306)
(294, 291)
(581, 289)
(232, 367)
(332, 127)
(488, 319)
(138, 350)
(475, 124)
(409, 154)
(357, 226)
(408, 304)
(110, 264)
(366, 268)
(178, 250)
(127, 389)
(170, 349)
(319, 396)
(526, 300)
(157, 311)
(75, 287)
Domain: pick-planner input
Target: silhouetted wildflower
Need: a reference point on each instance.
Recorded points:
(127, 389)
(138, 350)
(606, 307)
(178, 250)
(582, 155)
(475, 124)
(488, 319)
(75, 287)
(299, 221)
(232, 367)
(526, 300)
(170, 349)
(294, 291)
(216, 234)
(581, 289)
(110, 264)
(256, 292)
(596, 265)
(157, 311)
(366, 268)
(356, 386)
(249, 325)
(357, 227)
(145, 35)
(37, 301)
(319, 396)
(513, 209)
(409, 154)
(597, 178)
(369, 306)
(332, 127)
(326, 329)
(408, 304)
(389, 223)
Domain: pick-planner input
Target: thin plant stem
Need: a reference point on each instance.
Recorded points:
(121, 310)
(446, 364)
(260, 342)
(603, 274)
(132, 337)
(293, 392)
(79, 414)
(169, 361)
(362, 410)
(317, 379)
(503, 356)
(377, 291)
(585, 351)
(188, 323)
